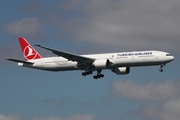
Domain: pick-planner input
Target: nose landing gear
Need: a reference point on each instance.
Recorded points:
(160, 70)
(161, 67)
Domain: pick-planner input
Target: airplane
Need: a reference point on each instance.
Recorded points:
(118, 63)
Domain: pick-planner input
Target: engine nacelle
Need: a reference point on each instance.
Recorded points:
(121, 70)
(101, 63)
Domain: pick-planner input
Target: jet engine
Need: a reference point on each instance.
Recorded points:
(121, 70)
(101, 63)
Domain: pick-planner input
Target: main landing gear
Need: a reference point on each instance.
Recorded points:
(161, 67)
(86, 73)
(99, 75)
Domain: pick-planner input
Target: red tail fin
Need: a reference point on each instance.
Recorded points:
(28, 51)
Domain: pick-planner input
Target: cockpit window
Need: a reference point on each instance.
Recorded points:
(168, 54)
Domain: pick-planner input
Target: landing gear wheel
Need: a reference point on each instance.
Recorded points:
(98, 76)
(86, 73)
(83, 74)
(95, 77)
(160, 70)
(101, 75)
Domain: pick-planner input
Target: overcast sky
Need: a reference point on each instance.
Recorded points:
(90, 26)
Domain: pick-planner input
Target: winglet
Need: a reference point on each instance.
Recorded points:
(28, 51)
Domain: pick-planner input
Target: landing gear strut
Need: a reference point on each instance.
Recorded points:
(161, 67)
(99, 75)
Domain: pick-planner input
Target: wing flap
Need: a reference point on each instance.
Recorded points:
(69, 56)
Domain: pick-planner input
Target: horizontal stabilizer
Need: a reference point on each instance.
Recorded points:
(21, 61)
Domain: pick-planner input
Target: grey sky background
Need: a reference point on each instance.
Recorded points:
(119, 24)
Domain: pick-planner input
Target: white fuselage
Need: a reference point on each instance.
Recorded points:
(121, 59)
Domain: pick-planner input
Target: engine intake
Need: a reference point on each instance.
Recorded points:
(101, 63)
(121, 70)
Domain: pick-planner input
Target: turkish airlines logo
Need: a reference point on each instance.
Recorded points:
(29, 53)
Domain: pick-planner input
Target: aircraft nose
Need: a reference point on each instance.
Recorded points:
(171, 58)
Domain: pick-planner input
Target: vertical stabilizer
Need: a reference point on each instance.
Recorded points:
(28, 51)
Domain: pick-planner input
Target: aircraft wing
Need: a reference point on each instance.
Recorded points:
(69, 56)
(21, 61)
